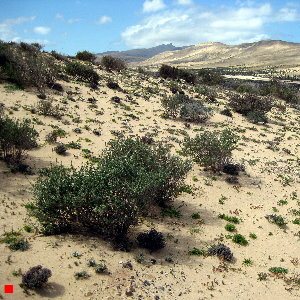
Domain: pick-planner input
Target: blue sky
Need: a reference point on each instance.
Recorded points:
(68, 26)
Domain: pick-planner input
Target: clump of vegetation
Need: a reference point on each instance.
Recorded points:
(231, 219)
(276, 219)
(252, 106)
(109, 196)
(278, 270)
(211, 149)
(112, 85)
(262, 276)
(35, 277)
(280, 90)
(230, 227)
(82, 72)
(15, 241)
(239, 239)
(248, 262)
(198, 252)
(46, 108)
(16, 137)
(151, 240)
(257, 117)
(226, 112)
(111, 63)
(171, 212)
(61, 149)
(54, 135)
(81, 275)
(210, 77)
(86, 56)
(194, 111)
(166, 71)
(221, 251)
(25, 65)
(101, 268)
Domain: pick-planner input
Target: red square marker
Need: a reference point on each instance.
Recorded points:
(8, 289)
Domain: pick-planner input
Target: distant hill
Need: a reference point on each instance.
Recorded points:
(137, 55)
(263, 53)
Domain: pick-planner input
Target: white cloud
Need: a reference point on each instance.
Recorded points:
(186, 26)
(69, 21)
(184, 2)
(41, 30)
(103, 20)
(153, 5)
(7, 32)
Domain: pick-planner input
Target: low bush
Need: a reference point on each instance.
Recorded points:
(35, 277)
(194, 111)
(61, 149)
(280, 90)
(82, 72)
(257, 117)
(278, 270)
(16, 137)
(166, 71)
(211, 149)
(221, 251)
(15, 241)
(111, 63)
(239, 239)
(247, 103)
(276, 219)
(210, 77)
(112, 85)
(46, 108)
(86, 56)
(109, 196)
(151, 240)
(230, 227)
(186, 108)
(25, 65)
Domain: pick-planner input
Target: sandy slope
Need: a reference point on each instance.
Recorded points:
(187, 277)
(259, 54)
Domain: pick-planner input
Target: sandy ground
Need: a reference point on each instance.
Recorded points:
(187, 276)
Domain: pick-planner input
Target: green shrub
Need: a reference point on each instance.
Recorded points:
(278, 270)
(16, 137)
(166, 71)
(25, 65)
(230, 227)
(15, 241)
(245, 88)
(110, 196)
(86, 56)
(61, 149)
(198, 252)
(173, 104)
(257, 117)
(247, 103)
(111, 63)
(239, 239)
(46, 108)
(211, 150)
(187, 109)
(280, 90)
(231, 219)
(151, 240)
(276, 219)
(210, 77)
(194, 111)
(82, 72)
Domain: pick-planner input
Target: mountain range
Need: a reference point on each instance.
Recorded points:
(265, 53)
(137, 55)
